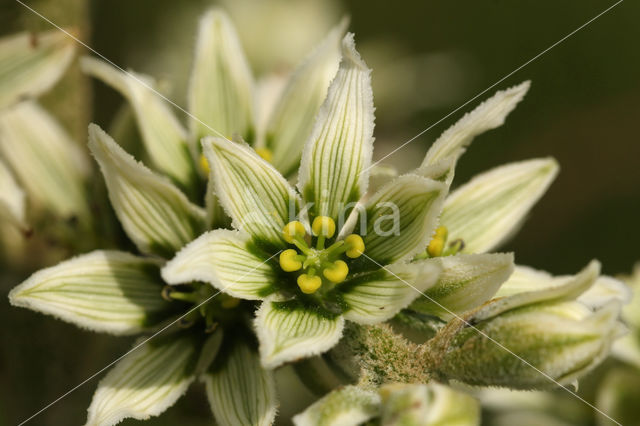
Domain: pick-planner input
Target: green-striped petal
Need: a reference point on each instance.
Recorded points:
(288, 332)
(153, 212)
(106, 291)
(48, 164)
(240, 391)
(31, 63)
(489, 208)
(164, 138)
(427, 405)
(145, 383)
(402, 217)
(290, 123)
(256, 196)
(348, 406)
(228, 261)
(377, 296)
(565, 290)
(488, 115)
(12, 199)
(336, 157)
(603, 290)
(220, 92)
(466, 281)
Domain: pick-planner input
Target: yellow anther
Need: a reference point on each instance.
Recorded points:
(337, 273)
(204, 164)
(288, 261)
(230, 302)
(265, 153)
(323, 226)
(355, 244)
(438, 241)
(309, 284)
(292, 230)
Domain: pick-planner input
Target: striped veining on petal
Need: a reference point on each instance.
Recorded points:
(154, 213)
(377, 296)
(488, 115)
(145, 383)
(221, 85)
(490, 208)
(338, 152)
(254, 194)
(240, 391)
(107, 291)
(164, 138)
(402, 217)
(226, 260)
(288, 332)
(293, 116)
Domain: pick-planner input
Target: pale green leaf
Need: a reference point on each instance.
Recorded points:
(240, 391)
(348, 406)
(30, 64)
(401, 218)
(293, 116)
(12, 199)
(565, 290)
(466, 281)
(164, 138)
(228, 261)
(256, 196)
(288, 332)
(220, 92)
(488, 209)
(106, 291)
(145, 383)
(48, 164)
(337, 154)
(488, 115)
(153, 212)
(377, 296)
(427, 405)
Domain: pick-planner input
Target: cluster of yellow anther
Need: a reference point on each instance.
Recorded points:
(316, 261)
(438, 245)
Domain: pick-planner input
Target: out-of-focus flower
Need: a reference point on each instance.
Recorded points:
(393, 405)
(42, 157)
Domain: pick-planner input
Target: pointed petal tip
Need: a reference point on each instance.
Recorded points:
(350, 55)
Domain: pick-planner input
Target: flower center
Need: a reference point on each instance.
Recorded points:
(316, 263)
(438, 245)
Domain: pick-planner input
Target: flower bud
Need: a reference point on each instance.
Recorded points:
(530, 340)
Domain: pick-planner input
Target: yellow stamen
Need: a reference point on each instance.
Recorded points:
(292, 230)
(355, 244)
(265, 153)
(204, 164)
(337, 273)
(438, 241)
(309, 284)
(288, 261)
(323, 226)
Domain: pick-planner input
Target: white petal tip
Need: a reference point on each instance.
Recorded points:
(350, 55)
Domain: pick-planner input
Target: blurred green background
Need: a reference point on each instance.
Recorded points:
(428, 58)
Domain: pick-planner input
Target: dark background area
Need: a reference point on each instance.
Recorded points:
(583, 109)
